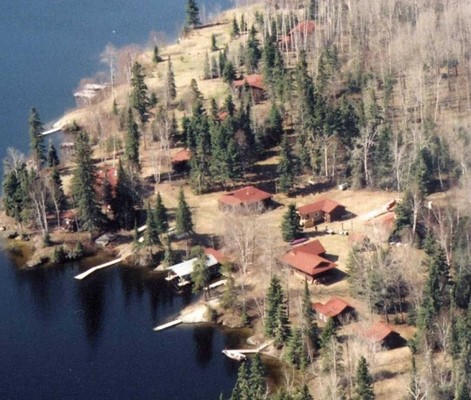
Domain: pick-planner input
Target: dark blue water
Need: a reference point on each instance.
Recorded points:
(64, 339)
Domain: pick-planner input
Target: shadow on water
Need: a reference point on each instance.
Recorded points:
(203, 336)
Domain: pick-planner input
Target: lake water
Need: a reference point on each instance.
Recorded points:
(64, 339)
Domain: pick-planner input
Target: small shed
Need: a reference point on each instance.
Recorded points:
(322, 210)
(334, 308)
(181, 161)
(254, 83)
(182, 271)
(383, 334)
(247, 197)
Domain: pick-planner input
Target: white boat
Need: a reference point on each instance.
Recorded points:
(235, 355)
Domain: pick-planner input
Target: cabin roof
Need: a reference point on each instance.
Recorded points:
(185, 268)
(111, 174)
(305, 27)
(244, 196)
(333, 308)
(378, 332)
(308, 258)
(183, 155)
(255, 81)
(325, 205)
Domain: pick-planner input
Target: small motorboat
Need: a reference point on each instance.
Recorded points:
(235, 355)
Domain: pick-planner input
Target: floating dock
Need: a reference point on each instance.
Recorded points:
(168, 325)
(238, 353)
(101, 266)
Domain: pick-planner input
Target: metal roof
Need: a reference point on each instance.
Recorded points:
(186, 267)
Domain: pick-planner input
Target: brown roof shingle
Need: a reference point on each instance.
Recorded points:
(245, 196)
(333, 308)
(325, 205)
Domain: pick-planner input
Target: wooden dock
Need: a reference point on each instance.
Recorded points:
(101, 266)
(228, 353)
(54, 129)
(168, 325)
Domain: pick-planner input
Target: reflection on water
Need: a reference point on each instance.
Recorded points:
(96, 337)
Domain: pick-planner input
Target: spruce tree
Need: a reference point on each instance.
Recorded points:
(235, 31)
(161, 215)
(258, 385)
(36, 142)
(328, 333)
(228, 73)
(229, 296)
(290, 228)
(295, 353)
(363, 382)
(207, 68)
(131, 145)
(273, 298)
(57, 192)
(52, 157)
(83, 185)
(309, 325)
(170, 87)
(214, 46)
(287, 167)
(252, 51)
(183, 217)
(139, 99)
(273, 127)
(200, 274)
(192, 14)
(155, 55)
(169, 255)
(151, 235)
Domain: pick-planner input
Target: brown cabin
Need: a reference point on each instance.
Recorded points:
(247, 197)
(335, 308)
(255, 85)
(322, 210)
(383, 334)
(181, 161)
(308, 260)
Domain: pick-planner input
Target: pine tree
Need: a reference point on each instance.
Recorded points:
(281, 332)
(151, 235)
(83, 185)
(139, 99)
(229, 296)
(252, 49)
(295, 353)
(329, 332)
(200, 274)
(183, 218)
(304, 394)
(170, 87)
(131, 145)
(309, 325)
(169, 255)
(52, 157)
(192, 14)
(36, 143)
(276, 314)
(363, 382)
(214, 46)
(155, 55)
(290, 228)
(207, 68)
(273, 127)
(57, 192)
(15, 193)
(258, 385)
(161, 215)
(287, 167)
(235, 31)
(228, 73)
(127, 198)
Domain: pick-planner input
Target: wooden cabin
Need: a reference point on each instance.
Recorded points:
(322, 210)
(246, 197)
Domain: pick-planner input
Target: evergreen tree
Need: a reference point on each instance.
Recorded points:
(183, 218)
(304, 394)
(207, 68)
(214, 46)
(161, 215)
(462, 392)
(155, 55)
(200, 274)
(229, 296)
(153, 100)
(308, 319)
(15, 193)
(139, 99)
(127, 198)
(328, 333)
(169, 255)
(276, 315)
(258, 385)
(83, 185)
(131, 145)
(290, 228)
(196, 95)
(57, 192)
(252, 51)
(287, 167)
(273, 127)
(281, 332)
(295, 353)
(363, 382)
(36, 141)
(228, 73)
(151, 235)
(170, 87)
(235, 31)
(52, 157)
(192, 14)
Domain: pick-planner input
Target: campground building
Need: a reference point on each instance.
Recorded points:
(324, 210)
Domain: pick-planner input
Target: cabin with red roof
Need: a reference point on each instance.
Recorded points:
(334, 308)
(247, 197)
(322, 210)
(384, 335)
(181, 160)
(255, 85)
(299, 34)
(309, 260)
